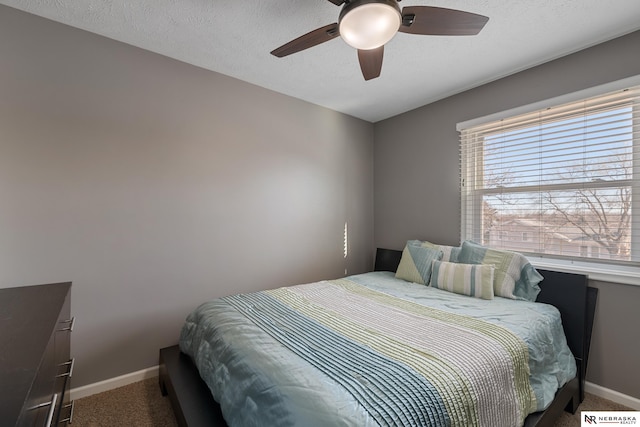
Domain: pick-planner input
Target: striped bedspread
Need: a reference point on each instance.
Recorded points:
(340, 353)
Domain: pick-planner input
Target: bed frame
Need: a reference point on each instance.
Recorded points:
(194, 406)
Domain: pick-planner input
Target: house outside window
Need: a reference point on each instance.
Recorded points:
(565, 178)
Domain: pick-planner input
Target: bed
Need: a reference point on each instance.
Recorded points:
(194, 405)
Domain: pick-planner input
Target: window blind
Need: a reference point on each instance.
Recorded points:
(561, 182)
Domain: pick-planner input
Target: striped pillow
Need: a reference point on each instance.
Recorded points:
(475, 280)
(415, 264)
(515, 277)
(449, 253)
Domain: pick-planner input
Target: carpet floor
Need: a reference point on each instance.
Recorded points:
(142, 405)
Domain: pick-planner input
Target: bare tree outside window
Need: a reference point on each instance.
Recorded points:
(602, 214)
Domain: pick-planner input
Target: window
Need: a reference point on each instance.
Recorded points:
(566, 178)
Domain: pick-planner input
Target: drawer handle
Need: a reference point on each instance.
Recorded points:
(69, 419)
(70, 364)
(52, 408)
(71, 322)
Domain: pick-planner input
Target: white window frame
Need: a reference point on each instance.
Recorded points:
(601, 271)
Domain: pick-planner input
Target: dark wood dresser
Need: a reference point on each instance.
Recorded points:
(35, 362)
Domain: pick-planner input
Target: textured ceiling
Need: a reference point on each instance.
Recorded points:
(234, 37)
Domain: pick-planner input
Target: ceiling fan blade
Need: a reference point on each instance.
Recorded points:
(337, 2)
(308, 40)
(371, 62)
(437, 21)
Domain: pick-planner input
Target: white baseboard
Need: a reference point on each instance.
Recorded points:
(612, 395)
(110, 384)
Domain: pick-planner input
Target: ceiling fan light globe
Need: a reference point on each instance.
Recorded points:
(370, 25)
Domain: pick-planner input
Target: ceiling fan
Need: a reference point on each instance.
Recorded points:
(368, 24)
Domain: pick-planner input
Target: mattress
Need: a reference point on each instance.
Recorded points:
(372, 350)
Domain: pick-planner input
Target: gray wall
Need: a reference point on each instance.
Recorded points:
(154, 185)
(416, 183)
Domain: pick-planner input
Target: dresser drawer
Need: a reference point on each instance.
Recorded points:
(64, 363)
(46, 401)
(35, 328)
(38, 404)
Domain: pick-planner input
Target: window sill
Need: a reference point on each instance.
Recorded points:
(623, 274)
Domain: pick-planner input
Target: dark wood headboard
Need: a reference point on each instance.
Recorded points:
(568, 292)
(387, 260)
